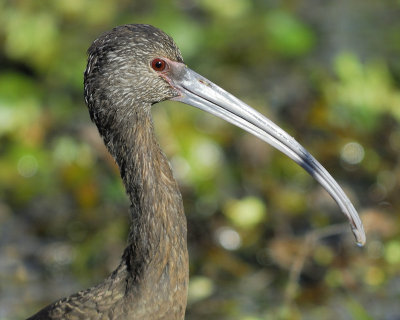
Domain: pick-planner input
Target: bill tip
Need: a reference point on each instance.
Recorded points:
(360, 237)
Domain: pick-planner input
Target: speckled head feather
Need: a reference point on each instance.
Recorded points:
(119, 72)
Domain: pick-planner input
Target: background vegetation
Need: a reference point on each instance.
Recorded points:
(265, 241)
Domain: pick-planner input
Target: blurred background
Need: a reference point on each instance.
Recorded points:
(265, 241)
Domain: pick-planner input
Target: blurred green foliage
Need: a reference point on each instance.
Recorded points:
(265, 241)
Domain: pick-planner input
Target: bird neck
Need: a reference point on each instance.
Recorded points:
(156, 256)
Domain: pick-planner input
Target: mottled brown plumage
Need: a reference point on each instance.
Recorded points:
(129, 69)
(152, 278)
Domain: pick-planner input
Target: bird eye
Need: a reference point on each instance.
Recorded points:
(158, 64)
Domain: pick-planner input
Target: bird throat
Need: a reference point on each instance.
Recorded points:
(156, 257)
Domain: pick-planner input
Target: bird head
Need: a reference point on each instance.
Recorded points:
(124, 65)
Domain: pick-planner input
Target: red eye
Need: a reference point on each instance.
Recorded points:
(158, 64)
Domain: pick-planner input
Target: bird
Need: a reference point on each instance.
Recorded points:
(129, 69)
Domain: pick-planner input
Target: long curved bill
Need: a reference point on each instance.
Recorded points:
(199, 92)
